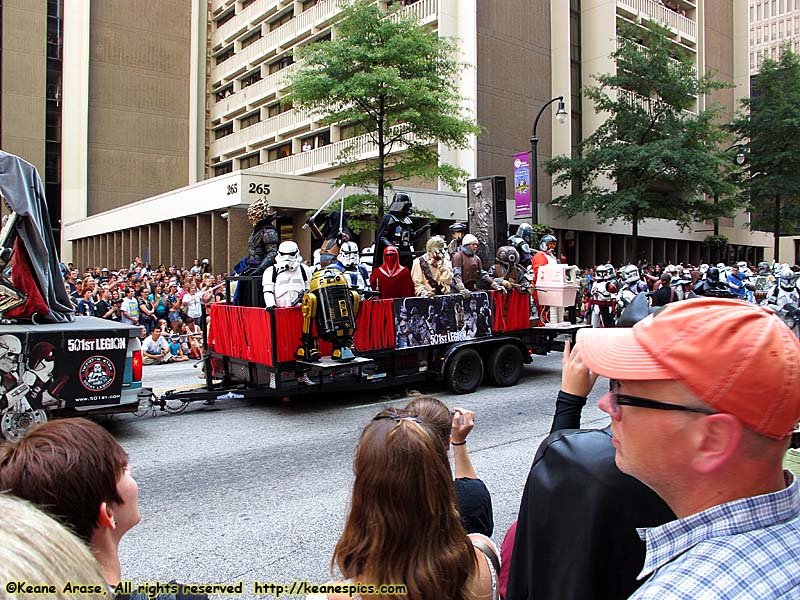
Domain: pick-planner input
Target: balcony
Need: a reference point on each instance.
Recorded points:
(275, 41)
(259, 135)
(323, 158)
(682, 26)
(251, 96)
(427, 11)
(241, 23)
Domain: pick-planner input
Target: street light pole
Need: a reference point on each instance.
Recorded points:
(561, 116)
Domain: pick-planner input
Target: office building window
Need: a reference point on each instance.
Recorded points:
(281, 20)
(224, 92)
(225, 130)
(224, 18)
(223, 169)
(250, 119)
(276, 109)
(247, 162)
(279, 152)
(251, 78)
(281, 63)
(252, 38)
(224, 55)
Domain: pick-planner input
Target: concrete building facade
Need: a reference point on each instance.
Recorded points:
(774, 26)
(232, 121)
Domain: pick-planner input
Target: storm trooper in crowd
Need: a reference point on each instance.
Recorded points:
(286, 281)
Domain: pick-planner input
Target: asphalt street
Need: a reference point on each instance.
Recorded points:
(258, 490)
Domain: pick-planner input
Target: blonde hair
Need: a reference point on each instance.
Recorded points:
(38, 550)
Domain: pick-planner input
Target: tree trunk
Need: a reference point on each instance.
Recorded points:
(776, 229)
(635, 239)
(381, 164)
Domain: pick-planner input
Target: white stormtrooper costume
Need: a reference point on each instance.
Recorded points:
(355, 273)
(604, 290)
(287, 280)
(784, 297)
(632, 286)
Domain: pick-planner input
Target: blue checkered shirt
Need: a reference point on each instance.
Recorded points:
(748, 548)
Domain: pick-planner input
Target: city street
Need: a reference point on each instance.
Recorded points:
(258, 490)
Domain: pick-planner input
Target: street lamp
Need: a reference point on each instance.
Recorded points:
(561, 117)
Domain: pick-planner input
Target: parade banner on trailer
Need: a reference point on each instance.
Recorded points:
(441, 319)
(522, 185)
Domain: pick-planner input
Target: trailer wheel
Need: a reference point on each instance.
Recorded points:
(505, 365)
(464, 371)
(14, 424)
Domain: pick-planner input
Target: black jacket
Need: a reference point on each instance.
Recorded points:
(576, 534)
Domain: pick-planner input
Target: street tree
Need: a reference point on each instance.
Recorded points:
(394, 80)
(655, 155)
(768, 126)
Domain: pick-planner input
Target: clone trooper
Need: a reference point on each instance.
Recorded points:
(521, 241)
(286, 281)
(604, 291)
(632, 285)
(355, 273)
(785, 298)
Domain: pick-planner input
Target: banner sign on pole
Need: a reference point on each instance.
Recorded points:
(522, 185)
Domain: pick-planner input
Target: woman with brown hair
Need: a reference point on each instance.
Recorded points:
(403, 526)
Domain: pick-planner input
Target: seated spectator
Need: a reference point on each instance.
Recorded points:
(194, 338)
(37, 549)
(176, 348)
(155, 349)
(473, 498)
(403, 526)
(77, 472)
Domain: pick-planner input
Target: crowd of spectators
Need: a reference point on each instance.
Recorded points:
(166, 298)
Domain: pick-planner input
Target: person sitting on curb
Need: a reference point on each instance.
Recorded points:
(155, 349)
(176, 348)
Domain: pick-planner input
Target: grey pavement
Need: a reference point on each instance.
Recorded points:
(258, 489)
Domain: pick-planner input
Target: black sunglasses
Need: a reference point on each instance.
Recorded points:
(618, 400)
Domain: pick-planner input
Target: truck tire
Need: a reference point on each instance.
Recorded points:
(505, 365)
(464, 371)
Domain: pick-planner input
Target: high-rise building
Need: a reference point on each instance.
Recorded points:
(775, 25)
(243, 140)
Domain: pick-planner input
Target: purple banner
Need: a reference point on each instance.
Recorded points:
(522, 185)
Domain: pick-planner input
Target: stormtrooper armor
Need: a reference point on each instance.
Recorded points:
(604, 291)
(356, 274)
(784, 297)
(631, 287)
(286, 281)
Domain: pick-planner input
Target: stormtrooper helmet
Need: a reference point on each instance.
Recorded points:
(288, 256)
(630, 273)
(348, 254)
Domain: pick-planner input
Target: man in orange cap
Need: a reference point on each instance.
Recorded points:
(711, 449)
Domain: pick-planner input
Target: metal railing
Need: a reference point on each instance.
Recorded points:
(258, 133)
(253, 94)
(663, 15)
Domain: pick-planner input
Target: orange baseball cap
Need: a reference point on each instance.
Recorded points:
(688, 342)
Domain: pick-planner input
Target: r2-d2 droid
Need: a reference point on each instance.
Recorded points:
(333, 306)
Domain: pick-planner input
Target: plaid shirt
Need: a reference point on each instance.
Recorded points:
(748, 548)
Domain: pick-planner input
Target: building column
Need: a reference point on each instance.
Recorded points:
(153, 248)
(177, 257)
(189, 250)
(219, 242)
(125, 249)
(203, 248)
(239, 230)
(165, 246)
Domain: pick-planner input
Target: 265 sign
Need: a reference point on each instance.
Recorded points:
(260, 189)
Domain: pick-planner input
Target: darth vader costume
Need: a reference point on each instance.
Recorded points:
(396, 230)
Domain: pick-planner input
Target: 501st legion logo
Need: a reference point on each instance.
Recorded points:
(96, 373)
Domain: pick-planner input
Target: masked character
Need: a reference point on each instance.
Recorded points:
(396, 230)
(631, 286)
(391, 279)
(333, 306)
(262, 248)
(784, 297)
(432, 272)
(521, 242)
(355, 273)
(285, 282)
(602, 299)
(457, 232)
(507, 271)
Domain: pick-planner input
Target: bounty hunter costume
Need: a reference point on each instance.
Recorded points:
(262, 248)
(432, 272)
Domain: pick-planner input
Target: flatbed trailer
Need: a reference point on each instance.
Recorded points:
(250, 351)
